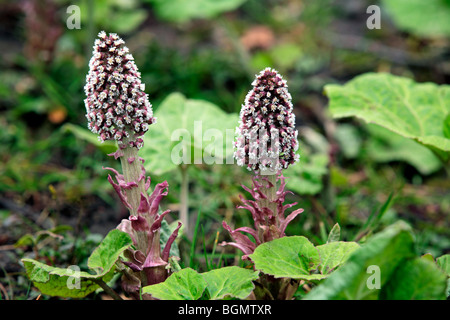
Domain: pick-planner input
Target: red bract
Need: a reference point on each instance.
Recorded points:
(146, 257)
(268, 215)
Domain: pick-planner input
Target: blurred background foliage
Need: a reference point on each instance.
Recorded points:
(351, 173)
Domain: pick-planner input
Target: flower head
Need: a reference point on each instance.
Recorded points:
(266, 137)
(116, 104)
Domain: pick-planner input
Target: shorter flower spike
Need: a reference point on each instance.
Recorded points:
(266, 139)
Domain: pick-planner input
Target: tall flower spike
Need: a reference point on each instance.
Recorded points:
(118, 109)
(266, 139)
(116, 105)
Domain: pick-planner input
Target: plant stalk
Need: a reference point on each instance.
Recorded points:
(107, 289)
(132, 171)
(184, 198)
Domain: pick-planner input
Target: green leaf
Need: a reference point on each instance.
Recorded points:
(113, 15)
(446, 127)
(88, 136)
(424, 18)
(413, 110)
(386, 146)
(61, 282)
(183, 11)
(349, 140)
(334, 254)
(231, 282)
(106, 254)
(185, 284)
(443, 263)
(287, 257)
(386, 250)
(54, 281)
(305, 177)
(417, 279)
(198, 127)
(335, 233)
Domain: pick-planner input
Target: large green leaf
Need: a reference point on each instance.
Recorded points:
(424, 18)
(385, 250)
(297, 258)
(187, 284)
(198, 127)
(64, 282)
(417, 279)
(289, 257)
(231, 282)
(182, 10)
(386, 146)
(413, 110)
(334, 254)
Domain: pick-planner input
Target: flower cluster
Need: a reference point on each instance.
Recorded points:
(146, 258)
(266, 137)
(268, 215)
(116, 105)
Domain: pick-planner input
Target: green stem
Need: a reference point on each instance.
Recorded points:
(184, 198)
(107, 289)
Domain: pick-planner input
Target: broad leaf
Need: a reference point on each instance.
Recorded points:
(197, 129)
(385, 250)
(417, 279)
(185, 284)
(86, 135)
(297, 258)
(386, 146)
(231, 282)
(334, 254)
(106, 254)
(443, 263)
(414, 110)
(65, 282)
(182, 11)
(425, 18)
(287, 257)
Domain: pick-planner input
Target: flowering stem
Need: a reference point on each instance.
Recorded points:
(132, 172)
(270, 192)
(184, 197)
